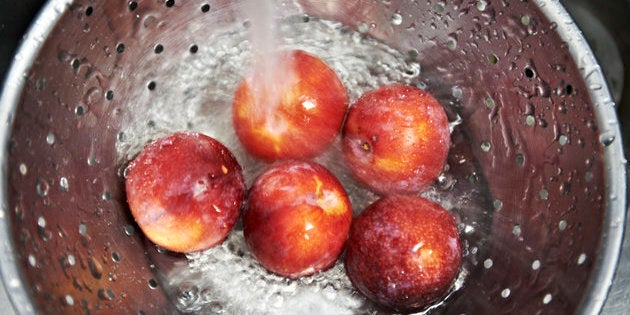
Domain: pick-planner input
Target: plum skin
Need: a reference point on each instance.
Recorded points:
(296, 116)
(185, 191)
(403, 252)
(396, 139)
(297, 218)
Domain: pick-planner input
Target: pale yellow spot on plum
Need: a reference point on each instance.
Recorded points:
(329, 200)
(173, 233)
(272, 131)
(425, 258)
(393, 165)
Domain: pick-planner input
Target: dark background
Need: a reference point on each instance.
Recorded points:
(15, 17)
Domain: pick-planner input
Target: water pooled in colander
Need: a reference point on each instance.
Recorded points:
(227, 278)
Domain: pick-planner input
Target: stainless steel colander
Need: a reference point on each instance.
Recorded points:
(536, 117)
